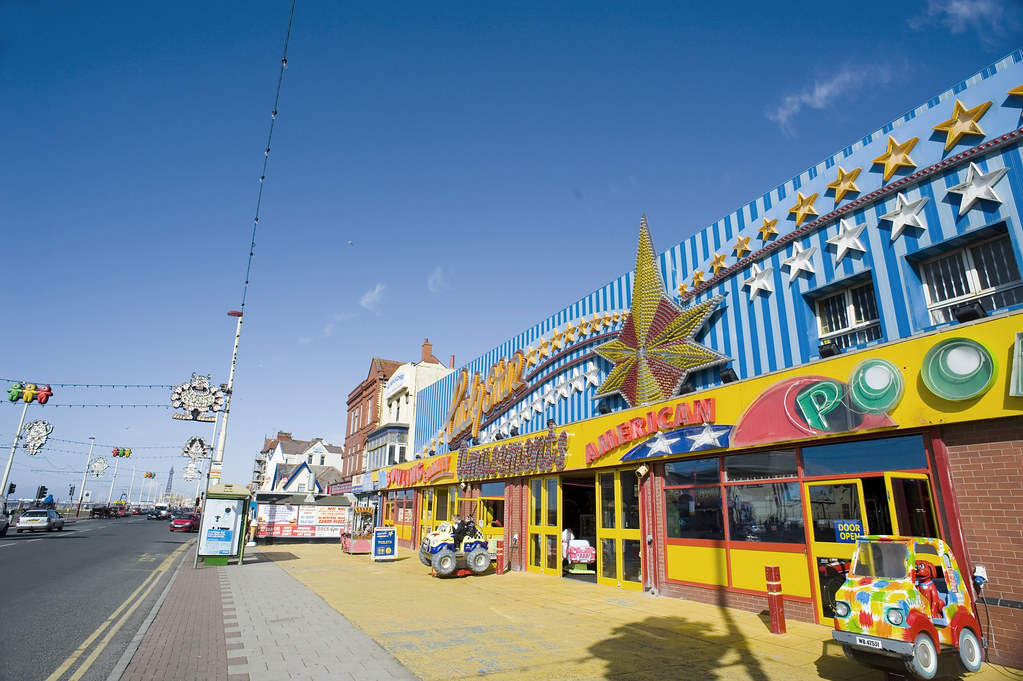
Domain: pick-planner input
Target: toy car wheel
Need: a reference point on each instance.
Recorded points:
(424, 558)
(924, 662)
(969, 650)
(478, 560)
(444, 562)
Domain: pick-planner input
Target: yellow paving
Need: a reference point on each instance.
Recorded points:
(525, 626)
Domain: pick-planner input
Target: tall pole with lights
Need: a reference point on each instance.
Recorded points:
(88, 461)
(218, 455)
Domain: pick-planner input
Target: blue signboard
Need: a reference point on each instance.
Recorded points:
(383, 543)
(846, 531)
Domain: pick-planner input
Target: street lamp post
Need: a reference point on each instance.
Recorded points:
(88, 460)
(14, 447)
(218, 456)
(110, 494)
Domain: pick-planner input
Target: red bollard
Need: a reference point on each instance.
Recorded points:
(500, 555)
(775, 602)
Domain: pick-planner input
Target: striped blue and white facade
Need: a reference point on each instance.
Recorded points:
(777, 329)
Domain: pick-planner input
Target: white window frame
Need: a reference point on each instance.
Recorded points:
(854, 333)
(942, 310)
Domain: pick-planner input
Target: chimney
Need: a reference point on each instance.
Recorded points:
(427, 350)
(281, 435)
(452, 364)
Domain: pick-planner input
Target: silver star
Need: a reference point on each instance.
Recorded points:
(905, 215)
(848, 239)
(799, 261)
(592, 376)
(550, 395)
(564, 388)
(760, 281)
(705, 437)
(978, 186)
(662, 445)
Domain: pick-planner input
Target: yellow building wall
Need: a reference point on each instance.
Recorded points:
(702, 564)
(748, 571)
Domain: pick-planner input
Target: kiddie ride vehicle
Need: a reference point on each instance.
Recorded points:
(440, 550)
(904, 601)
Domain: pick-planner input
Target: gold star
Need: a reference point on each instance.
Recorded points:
(609, 319)
(1016, 91)
(585, 327)
(897, 156)
(803, 207)
(741, 246)
(682, 288)
(616, 317)
(544, 346)
(531, 356)
(963, 122)
(558, 340)
(844, 183)
(767, 230)
(697, 277)
(718, 263)
(570, 332)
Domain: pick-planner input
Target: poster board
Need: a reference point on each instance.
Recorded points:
(220, 529)
(300, 521)
(384, 543)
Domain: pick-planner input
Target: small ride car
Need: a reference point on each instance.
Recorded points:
(452, 546)
(186, 522)
(905, 601)
(40, 519)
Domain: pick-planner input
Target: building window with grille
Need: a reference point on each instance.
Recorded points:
(849, 317)
(985, 272)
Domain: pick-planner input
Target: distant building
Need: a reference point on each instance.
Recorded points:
(284, 450)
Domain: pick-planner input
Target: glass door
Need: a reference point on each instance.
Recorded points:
(425, 512)
(619, 542)
(545, 526)
(911, 505)
(836, 519)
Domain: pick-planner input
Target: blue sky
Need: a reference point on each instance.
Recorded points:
(489, 163)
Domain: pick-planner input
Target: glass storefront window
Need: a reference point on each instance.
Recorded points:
(631, 565)
(830, 504)
(492, 512)
(770, 512)
(607, 501)
(692, 472)
(609, 559)
(442, 503)
(552, 502)
(694, 513)
(865, 456)
(761, 465)
(534, 500)
(630, 501)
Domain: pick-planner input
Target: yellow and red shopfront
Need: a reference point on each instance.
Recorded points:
(695, 496)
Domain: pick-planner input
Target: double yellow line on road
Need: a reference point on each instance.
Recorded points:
(117, 618)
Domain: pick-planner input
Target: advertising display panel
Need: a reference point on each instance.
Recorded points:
(294, 521)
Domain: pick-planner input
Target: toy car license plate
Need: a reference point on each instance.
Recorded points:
(869, 642)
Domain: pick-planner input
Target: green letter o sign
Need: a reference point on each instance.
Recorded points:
(876, 386)
(958, 369)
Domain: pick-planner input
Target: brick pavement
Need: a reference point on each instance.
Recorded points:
(187, 641)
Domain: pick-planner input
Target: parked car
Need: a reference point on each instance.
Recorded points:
(187, 522)
(904, 601)
(40, 519)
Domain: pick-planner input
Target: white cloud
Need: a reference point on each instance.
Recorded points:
(327, 331)
(842, 84)
(438, 280)
(983, 17)
(371, 299)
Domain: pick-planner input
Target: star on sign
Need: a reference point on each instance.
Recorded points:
(963, 122)
(718, 263)
(760, 281)
(697, 277)
(799, 261)
(844, 183)
(662, 445)
(978, 185)
(741, 247)
(803, 207)
(705, 438)
(906, 214)
(767, 230)
(848, 239)
(897, 156)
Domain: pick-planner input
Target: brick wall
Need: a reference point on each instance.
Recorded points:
(985, 460)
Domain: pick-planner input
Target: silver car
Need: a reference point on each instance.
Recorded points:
(40, 519)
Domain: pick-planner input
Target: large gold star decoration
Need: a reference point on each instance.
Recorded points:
(803, 207)
(654, 352)
(718, 263)
(682, 289)
(697, 278)
(844, 183)
(963, 122)
(768, 229)
(897, 156)
(741, 247)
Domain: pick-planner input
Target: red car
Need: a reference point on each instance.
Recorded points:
(187, 522)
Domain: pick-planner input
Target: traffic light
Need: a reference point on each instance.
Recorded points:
(41, 492)
(10, 489)
(120, 451)
(71, 492)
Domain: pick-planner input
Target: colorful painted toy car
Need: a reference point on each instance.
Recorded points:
(439, 551)
(904, 600)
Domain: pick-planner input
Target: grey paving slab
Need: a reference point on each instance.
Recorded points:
(289, 632)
